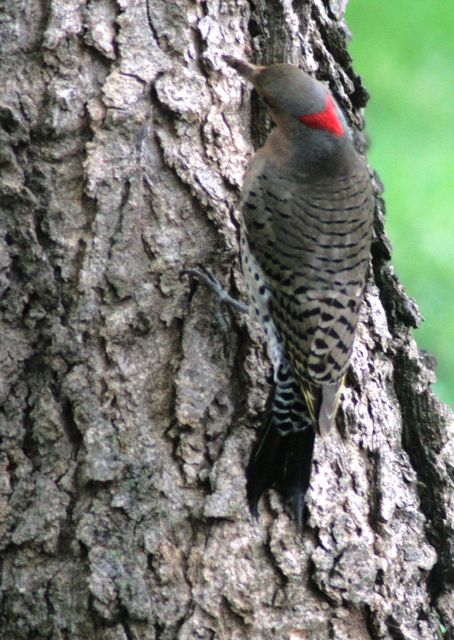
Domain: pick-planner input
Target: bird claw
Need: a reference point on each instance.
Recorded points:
(202, 274)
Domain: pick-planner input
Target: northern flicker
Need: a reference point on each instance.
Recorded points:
(307, 212)
(305, 234)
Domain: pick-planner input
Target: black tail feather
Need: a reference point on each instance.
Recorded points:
(297, 472)
(265, 466)
(283, 455)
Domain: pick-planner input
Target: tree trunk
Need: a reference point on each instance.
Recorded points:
(127, 417)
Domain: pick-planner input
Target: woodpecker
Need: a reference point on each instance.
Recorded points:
(306, 225)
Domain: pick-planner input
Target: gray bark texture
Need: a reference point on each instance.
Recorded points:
(127, 416)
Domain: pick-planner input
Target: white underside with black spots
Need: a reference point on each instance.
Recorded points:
(259, 298)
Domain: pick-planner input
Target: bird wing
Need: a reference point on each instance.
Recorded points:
(312, 240)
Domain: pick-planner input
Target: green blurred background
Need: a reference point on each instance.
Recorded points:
(404, 51)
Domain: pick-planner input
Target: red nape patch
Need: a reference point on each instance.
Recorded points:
(326, 119)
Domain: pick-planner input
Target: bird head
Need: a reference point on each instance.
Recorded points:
(293, 97)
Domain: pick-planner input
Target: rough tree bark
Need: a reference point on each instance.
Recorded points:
(126, 416)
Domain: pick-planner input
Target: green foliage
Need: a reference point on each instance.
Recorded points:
(405, 53)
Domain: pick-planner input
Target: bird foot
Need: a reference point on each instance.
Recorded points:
(202, 274)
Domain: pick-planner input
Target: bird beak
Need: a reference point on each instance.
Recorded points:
(245, 69)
